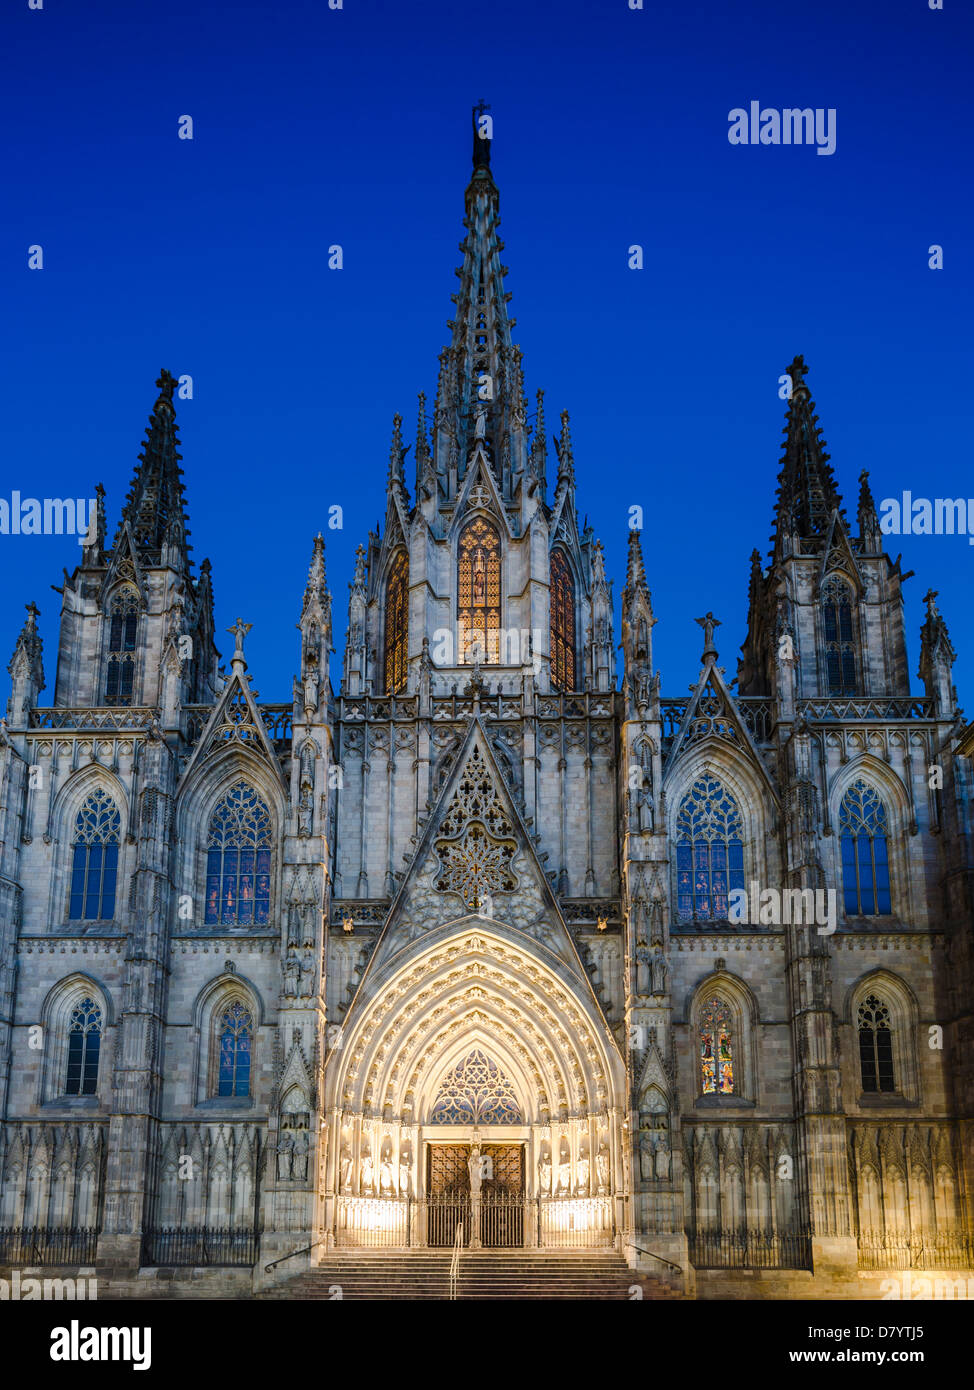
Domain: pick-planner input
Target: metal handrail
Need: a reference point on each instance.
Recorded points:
(305, 1250)
(455, 1262)
(653, 1256)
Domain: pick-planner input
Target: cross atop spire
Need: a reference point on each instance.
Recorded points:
(481, 141)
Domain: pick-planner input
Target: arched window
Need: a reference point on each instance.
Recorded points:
(238, 860)
(84, 1046)
(875, 1045)
(94, 865)
(236, 1038)
(716, 1049)
(562, 623)
(865, 855)
(709, 852)
(479, 593)
(840, 650)
(122, 631)
(397, 622)
(476, 1092)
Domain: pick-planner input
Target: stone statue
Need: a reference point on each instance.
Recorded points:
(475, 1167)
(582, 1175)
(385, 1175)
(662, 1156)
(647, 1157)
(544, 1174)
(300, 1169)
(403, 1177)
(292, 973)
(602, 1167)
(311, 690)
(564, 1173)
(306, 810)
(307, 975)
(285, 1154)
(658, 969)
(643, 970)
(346, 1170)
(368, 1173)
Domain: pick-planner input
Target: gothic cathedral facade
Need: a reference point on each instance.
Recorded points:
(495, 934)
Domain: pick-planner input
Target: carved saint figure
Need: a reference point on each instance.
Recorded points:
(346, 1169)
(582, 1175)
(385, 1175)
(368, 1173)
(403, 1176)
(544, 1173)
(292, 973)
(643, 970)
(285, 1154)
(300, 1169)
(658, 968)
(602, 1167)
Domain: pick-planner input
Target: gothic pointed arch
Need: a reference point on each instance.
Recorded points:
(122, 613)
(238, 859)
(478, 592)
(839, 644)
(75, 1017)
(709, 851)
(396, 633)
(864, 829)
(723, 1017)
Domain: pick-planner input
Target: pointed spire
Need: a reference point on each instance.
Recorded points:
(635, 570)
(94, 553)
(26, 668)
(397, 456)
(869, 532)
(155, 508)
(937, 656)
(566, 459)
(807, 493)
(423, 456)
(316, 589)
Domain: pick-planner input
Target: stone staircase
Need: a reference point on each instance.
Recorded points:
(493, 1274)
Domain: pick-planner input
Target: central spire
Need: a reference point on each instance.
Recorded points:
(480, 394)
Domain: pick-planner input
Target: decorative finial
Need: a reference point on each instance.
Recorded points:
(708, 622)
(928, 599)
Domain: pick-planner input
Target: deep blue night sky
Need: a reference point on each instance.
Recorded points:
(315, 126)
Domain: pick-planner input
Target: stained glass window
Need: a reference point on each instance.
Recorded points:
(840, 651)
(84, 1046)
(94, 865)
(709, 852)
(479, 593)
(236, 1047)
(716, 1049)
(562, 623)
(123, 627)
(397, 622)
(865, 853)
(476, 1092)
(875, 1046)
(238, 860)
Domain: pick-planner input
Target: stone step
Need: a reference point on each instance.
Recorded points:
(509, 1275)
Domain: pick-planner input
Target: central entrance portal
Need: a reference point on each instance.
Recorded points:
(485, 1193)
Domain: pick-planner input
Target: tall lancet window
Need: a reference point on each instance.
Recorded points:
(479, 593)
(397, 622)
(709, 852)
(94, 862)
(840, 648)
(562, 623)
(238, 861)
(122, 632)
(875, 1045)
(84, 1046)
(865, 852)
